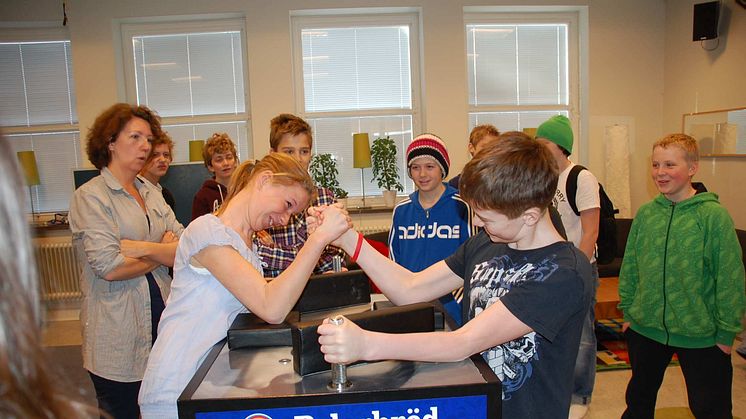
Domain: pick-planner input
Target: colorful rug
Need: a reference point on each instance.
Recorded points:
(612, 348)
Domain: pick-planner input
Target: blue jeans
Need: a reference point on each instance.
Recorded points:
(585, 364)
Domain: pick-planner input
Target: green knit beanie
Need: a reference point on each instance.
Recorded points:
(557, 129)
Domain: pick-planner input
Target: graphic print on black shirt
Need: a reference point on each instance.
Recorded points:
(490, 281)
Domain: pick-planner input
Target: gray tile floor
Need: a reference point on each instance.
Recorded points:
(608, 396)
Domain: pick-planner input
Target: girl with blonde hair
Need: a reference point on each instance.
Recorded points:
(217, 273)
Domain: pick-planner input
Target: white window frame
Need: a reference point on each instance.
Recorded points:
(353, 18)
(41, 32)
(576, 19)
(129, 28)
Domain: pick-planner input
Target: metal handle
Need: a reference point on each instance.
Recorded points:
(339, 371)
(337, 264)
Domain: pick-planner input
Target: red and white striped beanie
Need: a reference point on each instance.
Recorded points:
(429, 145)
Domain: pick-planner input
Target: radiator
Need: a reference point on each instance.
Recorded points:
(58, 272)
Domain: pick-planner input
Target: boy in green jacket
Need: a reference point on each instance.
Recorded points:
(681, 287)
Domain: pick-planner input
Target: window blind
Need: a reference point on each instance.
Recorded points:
(193, 74)
(518, 74)
(358, 76)
(346, 69)
(36, 84)
(37, 91)
(190, 74)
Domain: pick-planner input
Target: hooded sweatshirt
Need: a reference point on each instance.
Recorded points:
(682, 278)
(209, 198)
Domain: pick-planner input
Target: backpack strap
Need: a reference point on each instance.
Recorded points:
(571, 187)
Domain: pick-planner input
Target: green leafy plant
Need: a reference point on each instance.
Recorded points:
(323, 169)
(383, 158)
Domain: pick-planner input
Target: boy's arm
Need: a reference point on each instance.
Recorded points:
(399, 284)
(628, 273)
(349, 343)
(729, 279)
(589, 231)
(588, 203)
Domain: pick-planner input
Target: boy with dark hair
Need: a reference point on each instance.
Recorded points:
(582, 231)
(528, 290)
(221, 159)
(279, 245)
(681, 287)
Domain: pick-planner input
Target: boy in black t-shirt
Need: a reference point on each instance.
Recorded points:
(527, 290)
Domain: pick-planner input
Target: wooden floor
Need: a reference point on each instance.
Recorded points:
(608, 395)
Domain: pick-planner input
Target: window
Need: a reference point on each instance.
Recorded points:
(193, 74)
(522, 69)
(37, 110)
(358, 74)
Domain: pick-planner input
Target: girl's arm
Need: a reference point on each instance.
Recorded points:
(272, 300)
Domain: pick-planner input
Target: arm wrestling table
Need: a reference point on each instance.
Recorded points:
(261, 383)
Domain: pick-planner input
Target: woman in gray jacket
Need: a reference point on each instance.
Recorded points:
(125, 236)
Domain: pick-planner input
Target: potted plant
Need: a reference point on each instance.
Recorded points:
(383, 158)
(323, 170)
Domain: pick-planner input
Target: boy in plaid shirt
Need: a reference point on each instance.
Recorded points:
(278, 245)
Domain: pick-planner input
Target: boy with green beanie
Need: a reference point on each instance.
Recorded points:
(681, 288)
(582, 231)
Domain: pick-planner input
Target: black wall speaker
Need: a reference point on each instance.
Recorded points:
(706, 17)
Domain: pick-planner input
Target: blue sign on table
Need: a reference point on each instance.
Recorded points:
(474, 407)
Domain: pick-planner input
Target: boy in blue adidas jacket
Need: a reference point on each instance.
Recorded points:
(433, 221)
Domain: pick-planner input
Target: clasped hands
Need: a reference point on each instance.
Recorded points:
(330, 220)
(313, 219)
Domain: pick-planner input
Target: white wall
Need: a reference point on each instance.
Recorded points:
(625, 78)
(697, 80)
(626, 83)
